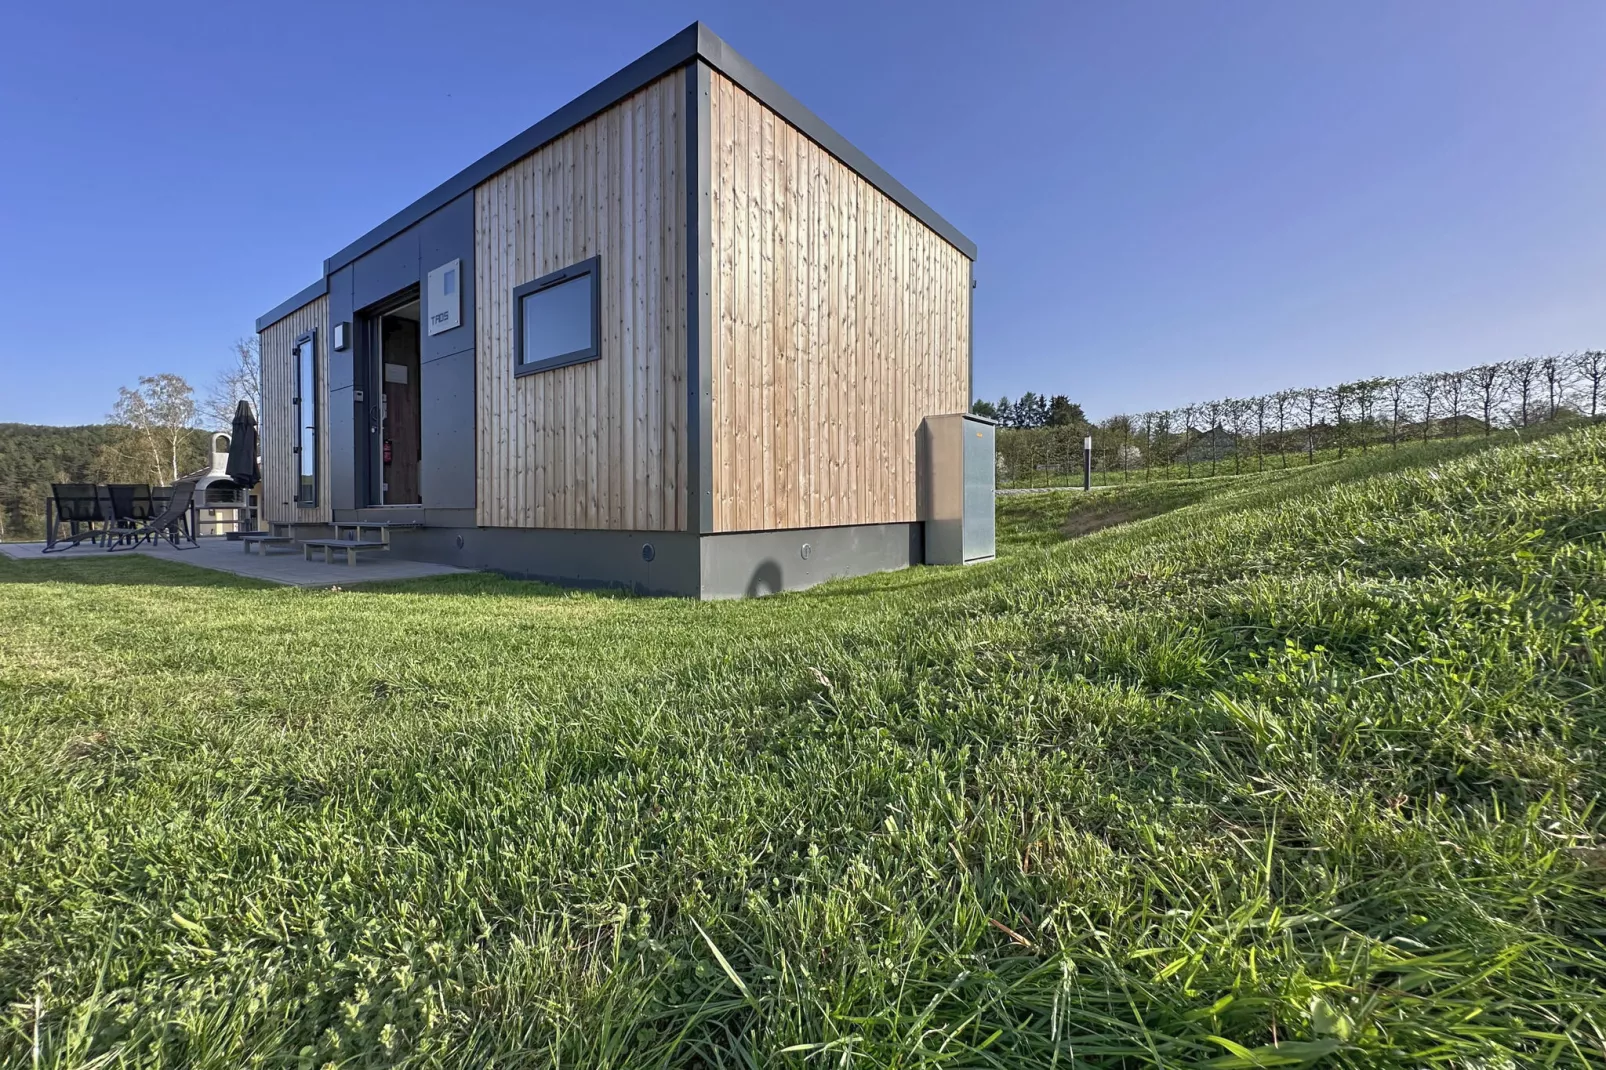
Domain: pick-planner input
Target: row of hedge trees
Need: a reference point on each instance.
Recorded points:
(1230, 434)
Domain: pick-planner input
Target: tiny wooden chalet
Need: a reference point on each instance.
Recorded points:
(678, 336)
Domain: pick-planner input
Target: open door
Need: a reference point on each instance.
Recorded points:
(400, 438)
(394, 342)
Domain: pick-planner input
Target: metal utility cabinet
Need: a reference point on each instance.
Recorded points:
(957, 488)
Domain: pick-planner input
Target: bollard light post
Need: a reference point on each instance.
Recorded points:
(1087, 463)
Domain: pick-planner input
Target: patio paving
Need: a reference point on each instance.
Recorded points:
(223, 555)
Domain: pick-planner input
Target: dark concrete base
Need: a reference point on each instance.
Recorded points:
(570, 558)
(731, 565)
(750, 563)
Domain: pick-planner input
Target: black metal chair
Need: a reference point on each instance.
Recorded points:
(130, 509)
(171, 523)
(79, 506)
(160, 497)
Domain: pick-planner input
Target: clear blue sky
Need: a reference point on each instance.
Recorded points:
(1172, 200)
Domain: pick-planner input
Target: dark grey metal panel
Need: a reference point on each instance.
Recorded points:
(689, 44)
(568, 557)
(386, 270)
(447, 235)
(446, 424)
(700, 304)
(737, 67)
(343, 418)
(342, 370)
(749, 563)
(284, 308)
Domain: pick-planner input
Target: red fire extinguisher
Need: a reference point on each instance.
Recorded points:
(387, 451)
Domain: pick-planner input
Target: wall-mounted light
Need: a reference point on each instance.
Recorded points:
(342, 334)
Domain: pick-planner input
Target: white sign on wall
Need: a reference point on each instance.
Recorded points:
(446, 297)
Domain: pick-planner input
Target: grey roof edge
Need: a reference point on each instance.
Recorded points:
(693, 43)
(284, 308)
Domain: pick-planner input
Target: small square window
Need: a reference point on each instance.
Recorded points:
(556, 319)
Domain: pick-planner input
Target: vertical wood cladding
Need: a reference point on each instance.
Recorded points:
(600, 444)
(277, 421)
(840, 322)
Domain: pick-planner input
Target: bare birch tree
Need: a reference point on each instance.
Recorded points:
(160, 412)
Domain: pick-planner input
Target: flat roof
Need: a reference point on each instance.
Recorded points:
(289, 305)
(695, 42)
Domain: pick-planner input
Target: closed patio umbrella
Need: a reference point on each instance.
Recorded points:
(242, 466)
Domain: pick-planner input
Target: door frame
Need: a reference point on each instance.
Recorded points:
(370, 376)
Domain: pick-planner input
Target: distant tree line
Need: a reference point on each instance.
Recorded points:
(1289, 426)
(33, 456)
(1032, 410)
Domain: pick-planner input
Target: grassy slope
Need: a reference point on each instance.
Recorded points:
(1312, 761)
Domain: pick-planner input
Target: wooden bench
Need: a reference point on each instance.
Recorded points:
(264, 541)
(329, 546)
(358, 527)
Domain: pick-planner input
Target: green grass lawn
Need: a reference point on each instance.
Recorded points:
(1266, 771)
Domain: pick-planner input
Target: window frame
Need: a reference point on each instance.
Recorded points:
(306, 494)
(591, 266)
